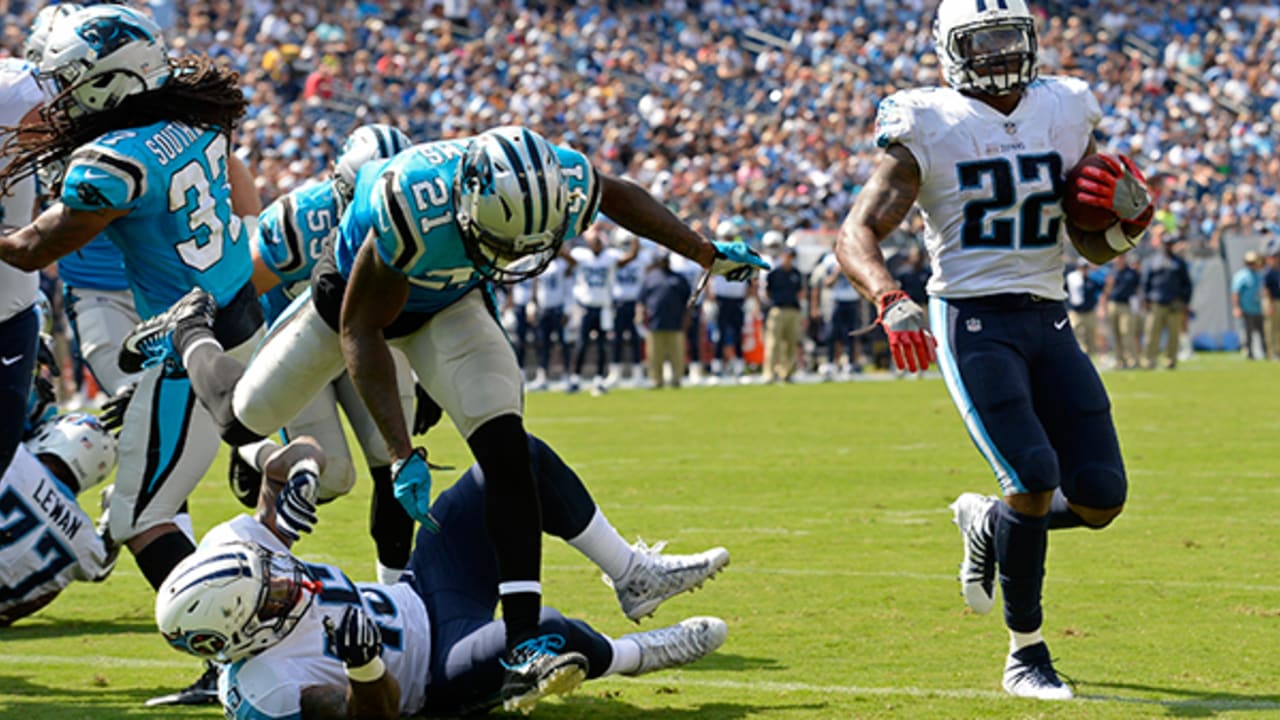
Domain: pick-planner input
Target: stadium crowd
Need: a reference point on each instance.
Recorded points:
(756, 113)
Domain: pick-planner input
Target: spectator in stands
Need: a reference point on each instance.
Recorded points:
(1119, 289)
(1166, 293)
(663, 305)
(1083, 291)
(1246, 304)
(784, 285)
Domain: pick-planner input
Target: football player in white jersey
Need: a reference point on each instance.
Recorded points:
(984, 159)
(20, 100)
(595, 266)
(301, 640)
(46, 540)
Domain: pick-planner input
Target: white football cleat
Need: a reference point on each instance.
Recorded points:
(652, 577)
(978, 569)
(1029, 673)
(680, 644)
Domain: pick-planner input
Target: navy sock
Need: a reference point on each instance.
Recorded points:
(1020, 550)
(162, 555)
(1060, 514)
(389, 524)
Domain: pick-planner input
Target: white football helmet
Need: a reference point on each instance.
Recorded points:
(512, 203)
(104, 54)
(81, 443)
(772, 241)
(366, 143)
(227, 602)
(727, 230)
(986, 46)
(42, 27)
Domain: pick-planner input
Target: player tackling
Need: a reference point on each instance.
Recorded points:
(984, 159)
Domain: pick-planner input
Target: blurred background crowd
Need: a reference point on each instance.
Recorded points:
(755, 114)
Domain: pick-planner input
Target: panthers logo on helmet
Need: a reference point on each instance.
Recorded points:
(106, 35)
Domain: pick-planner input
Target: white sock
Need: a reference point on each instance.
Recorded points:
(1018, 640)
(626, 657)
(183, 521)
(389, 576)
(208, 340)
(604, 546)
(253, 452)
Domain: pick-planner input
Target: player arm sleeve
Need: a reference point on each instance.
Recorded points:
(584, 190)
(900, 120)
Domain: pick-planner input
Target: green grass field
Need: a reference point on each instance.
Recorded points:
(841, 597)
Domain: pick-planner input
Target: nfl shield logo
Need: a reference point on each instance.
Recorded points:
(1011, 128)
(973, 325)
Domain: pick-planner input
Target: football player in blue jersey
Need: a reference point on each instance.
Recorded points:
(301, 640)
(291, 234)
(146, 142)
(424, 234)
(96, 295)
(984, 159)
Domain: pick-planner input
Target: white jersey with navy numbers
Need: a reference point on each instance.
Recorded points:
(627, 278)
(552, 288)
(46, 540)
(990, 183)
(593, 276)
(19, 93)
(269, 685)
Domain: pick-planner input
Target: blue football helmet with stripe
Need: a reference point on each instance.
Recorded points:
(100, 55)
(512, 203)
(227, 602)
(364, 144)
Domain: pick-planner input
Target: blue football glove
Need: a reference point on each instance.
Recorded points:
(296, 505)
(736, 261)
(411, 478)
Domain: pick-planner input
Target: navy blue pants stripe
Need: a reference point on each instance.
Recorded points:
(1031, 399)
(18, 337)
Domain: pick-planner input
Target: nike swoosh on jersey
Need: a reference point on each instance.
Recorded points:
(1060, 324)
(10, 360)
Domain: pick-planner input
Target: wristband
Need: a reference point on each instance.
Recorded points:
(369, 672)
(1118, 240)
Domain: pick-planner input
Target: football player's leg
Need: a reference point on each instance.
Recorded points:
(319, 419)
(100, 320)
(389, 523)
(990, 384)
(1073, 406)
(18, 340)
(465, 363)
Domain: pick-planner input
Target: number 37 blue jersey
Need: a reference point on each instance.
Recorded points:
(405, 206)
(180, 231)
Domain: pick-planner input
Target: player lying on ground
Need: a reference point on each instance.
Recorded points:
(302, 640)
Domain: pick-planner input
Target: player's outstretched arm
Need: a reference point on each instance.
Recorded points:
(633, 208)
(58, 231)
(374, 297)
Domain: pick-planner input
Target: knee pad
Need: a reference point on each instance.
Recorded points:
(1097, 487)
(338, 478)
(1037, 469)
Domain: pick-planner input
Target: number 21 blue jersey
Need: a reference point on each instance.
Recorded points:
(180, 231)
(405, 205)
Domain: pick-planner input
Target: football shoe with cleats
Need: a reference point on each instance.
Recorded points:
(972, 514)
(653, 577)
(168, 334)
(680, 644)
(536, 668)
(1029, 673)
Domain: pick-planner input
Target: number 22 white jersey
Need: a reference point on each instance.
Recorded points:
(990, 183)
(268, 686)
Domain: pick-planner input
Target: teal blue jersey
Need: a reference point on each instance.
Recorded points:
(405, 206)
(291, 235)
(180, 231)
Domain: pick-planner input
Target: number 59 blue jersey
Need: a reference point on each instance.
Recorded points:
(405, 206)
(291, 235)
(180, 231)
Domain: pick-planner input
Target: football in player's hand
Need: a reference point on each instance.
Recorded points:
(1083, 215)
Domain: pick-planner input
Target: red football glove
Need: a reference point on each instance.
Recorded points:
(909, 337)
(1123, 191)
